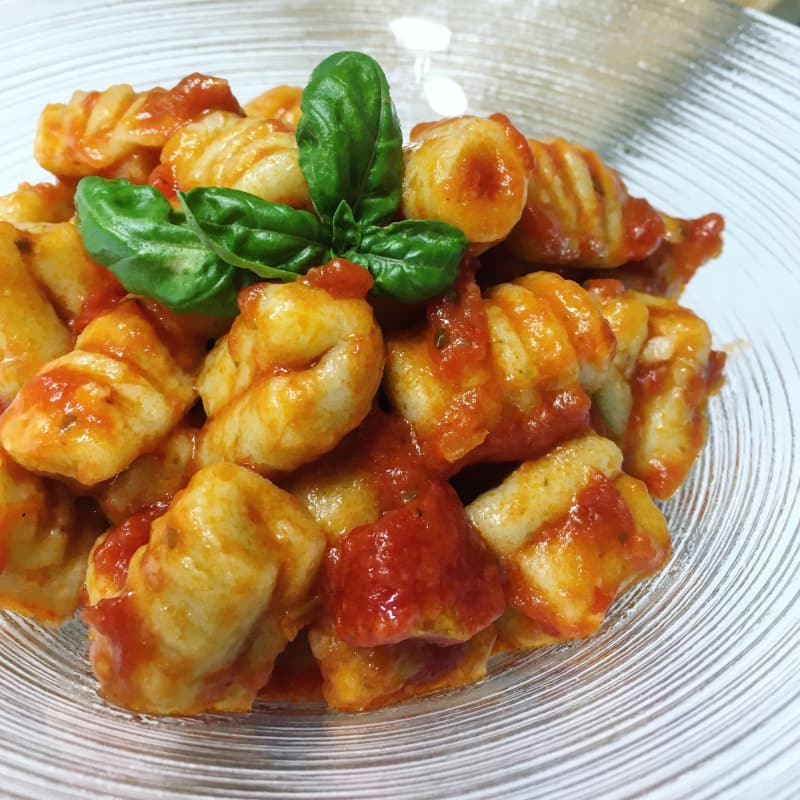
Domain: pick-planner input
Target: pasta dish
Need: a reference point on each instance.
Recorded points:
(289, 408)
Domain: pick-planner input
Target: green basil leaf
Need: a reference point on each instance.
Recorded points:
(349, 139)
(346, 231)
(131, 230)
(411, 260)
(272, 240)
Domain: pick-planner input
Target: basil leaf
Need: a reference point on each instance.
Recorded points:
(346, 231)
(411, 260)
(131, 230)
(349, 139)
(272, 240)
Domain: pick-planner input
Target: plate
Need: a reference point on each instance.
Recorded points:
(692, 688)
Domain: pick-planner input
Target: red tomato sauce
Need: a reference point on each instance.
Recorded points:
(702, 240)
(113, 556)
(598, 525)
(126, 644)
(164, 179)
(715, 372)
(669, 268)
(643, 229)
(458, 332)
(418, 571)
(384, 448)
(296, 675)
(521, 437)
(59, 391)
(105, 294)
(163, 112)
(340, 278)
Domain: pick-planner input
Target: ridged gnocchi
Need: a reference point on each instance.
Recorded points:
(375, 495)
(89, 413)
(252, 154)
(654, 400)
(31, 333)
(579, 213)
(543, 346)
(470, 172)
(297, 372)
(118, 132)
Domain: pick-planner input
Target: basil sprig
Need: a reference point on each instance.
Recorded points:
(246, 231)
(350, 142)
(134, 231)
(350, 152)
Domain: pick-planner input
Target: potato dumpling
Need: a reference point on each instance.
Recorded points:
(31, 333)
(579, 213)
(470, 172)
(251, 154)
(543, 345)
(297, 372)
(571, 532)
(118, 132)
(45, 538)
(89, 413)
(196, 618)
(653, 403)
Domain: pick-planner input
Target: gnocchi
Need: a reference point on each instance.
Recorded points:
(424, 424)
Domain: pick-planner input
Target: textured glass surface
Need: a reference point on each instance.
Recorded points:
(692, 688)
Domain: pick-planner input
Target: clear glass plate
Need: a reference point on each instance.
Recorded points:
(692, 688)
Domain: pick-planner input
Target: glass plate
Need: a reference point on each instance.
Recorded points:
(692, 688)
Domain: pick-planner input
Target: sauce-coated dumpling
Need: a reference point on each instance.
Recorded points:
(195, 620)
(45, 538)
(653, 402)
(251, 154)
(546, 346)
(118, 132)
(579, 212)
(572, 532)
(297, 372)
(31, 332)
(89, 413)
(470, 172)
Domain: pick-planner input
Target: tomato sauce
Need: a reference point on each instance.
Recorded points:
(458, 331)
(643, 229)
(715, 377)
(162, 112)
(126, 643)
(340, 278)
(520, 437)
(596, 528)
(459, 350)
(435, 661)
(669, 268)
(164, 179)
(60, 391)
(186, 336)
(418, 571)
(105, 294)
(543, 226)
(296, 675)
(113, 556)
